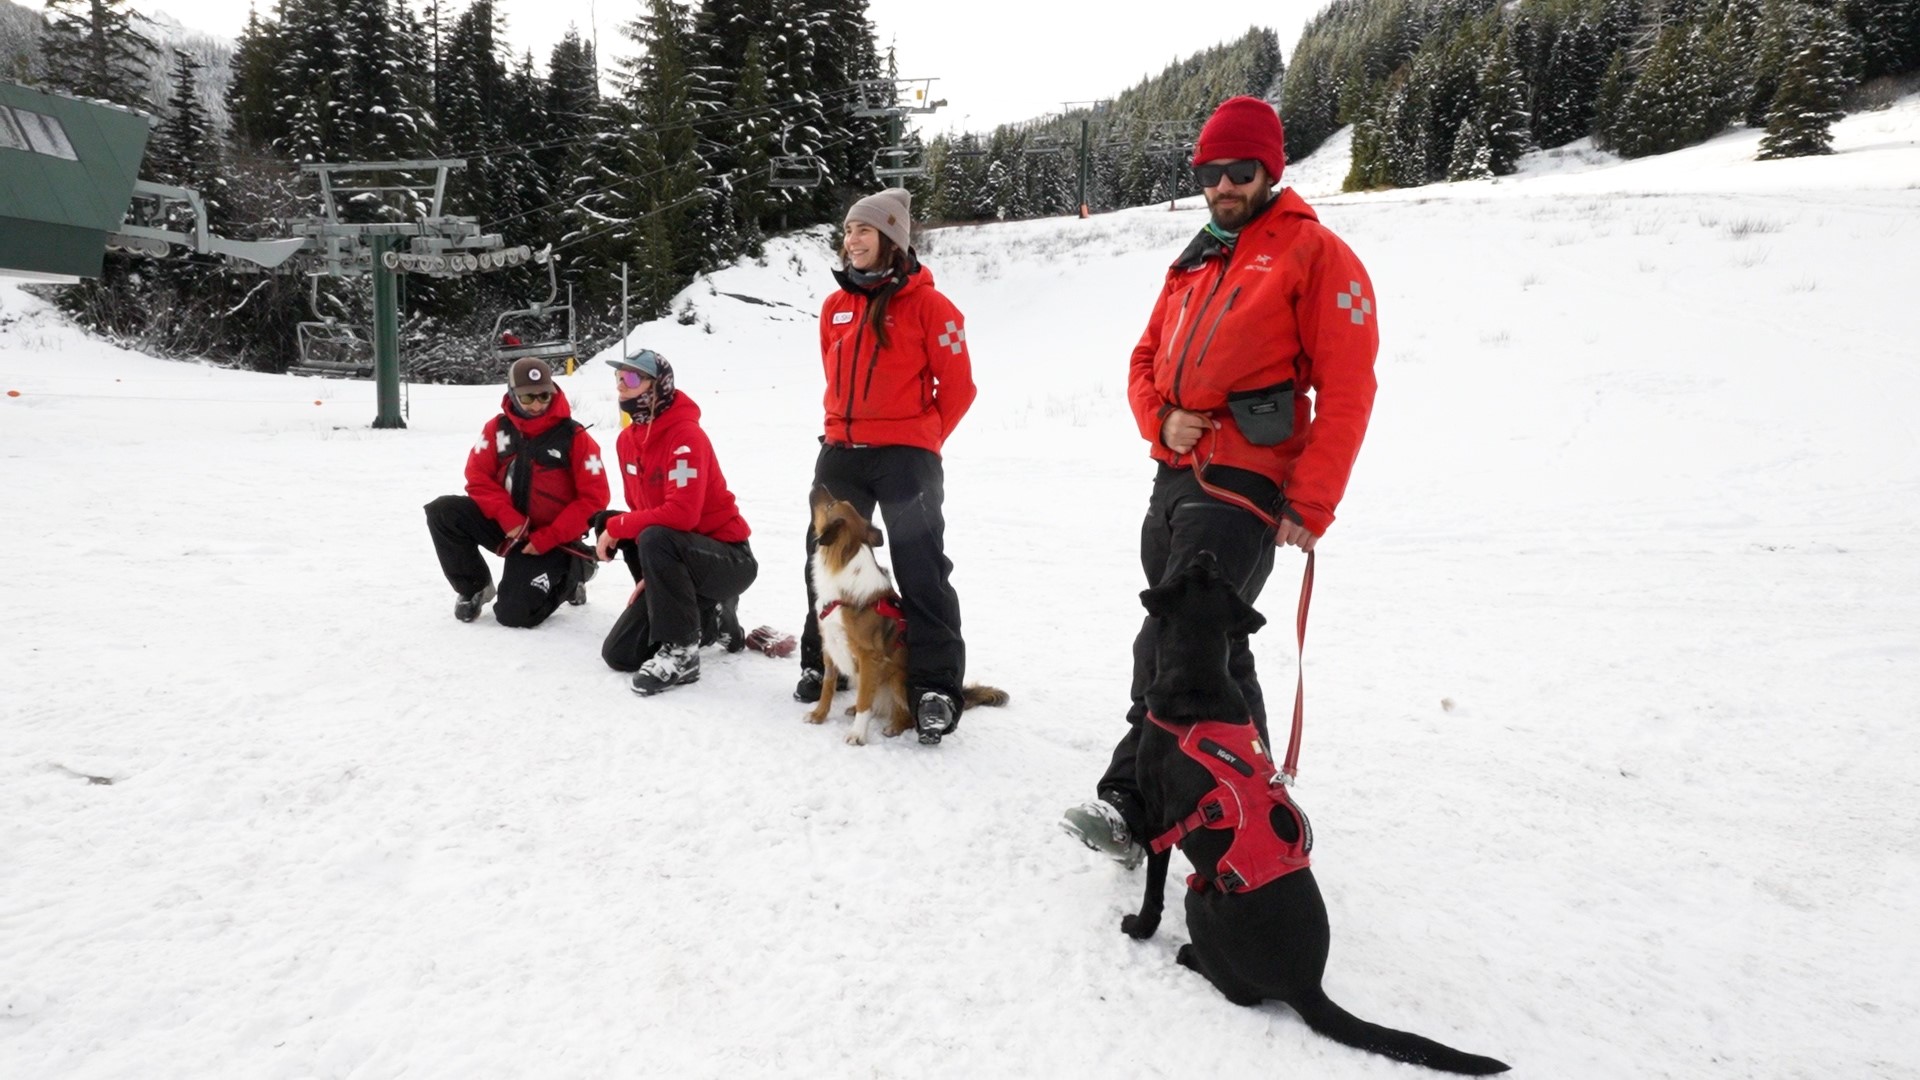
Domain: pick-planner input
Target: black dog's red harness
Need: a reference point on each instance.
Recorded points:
(888, 606)
(1248, 788)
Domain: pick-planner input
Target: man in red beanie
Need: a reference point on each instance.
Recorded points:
(1255, 373)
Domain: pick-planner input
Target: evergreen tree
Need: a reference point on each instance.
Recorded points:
(1814, 84)
(1609, 119)
(379, 118)
(253, 121)
(1888, 33)
(97, 49)
(312, 56)
(643, 192)
(184, 150)
(1500, 114)
(1471, 158)
(1565, 104)
(754, 139)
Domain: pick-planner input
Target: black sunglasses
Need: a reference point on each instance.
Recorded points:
(1240, 172)
(528, 399)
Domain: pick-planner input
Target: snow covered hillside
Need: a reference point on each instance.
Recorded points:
(1610, 740)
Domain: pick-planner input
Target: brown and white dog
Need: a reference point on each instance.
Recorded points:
(862, 629)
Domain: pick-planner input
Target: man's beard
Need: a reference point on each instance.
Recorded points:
(1232, 213)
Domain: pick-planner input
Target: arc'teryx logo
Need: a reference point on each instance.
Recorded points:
(540, 582)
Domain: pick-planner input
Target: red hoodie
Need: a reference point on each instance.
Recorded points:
(911, 391)
(559, 500)
(673, 479)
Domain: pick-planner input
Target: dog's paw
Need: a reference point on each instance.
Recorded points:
(1139, 927)
(816, 716)
(856, 738)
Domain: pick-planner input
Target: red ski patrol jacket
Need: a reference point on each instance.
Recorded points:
(547, 470)
(673, 479)
(1273, 338)
(910, 392)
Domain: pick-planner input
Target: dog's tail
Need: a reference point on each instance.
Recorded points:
(976, 695)
(1336, 1023)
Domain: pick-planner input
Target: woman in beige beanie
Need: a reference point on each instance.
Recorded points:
(899, 378)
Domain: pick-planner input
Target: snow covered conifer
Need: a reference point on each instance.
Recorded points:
(96, 49)
(1815, 82)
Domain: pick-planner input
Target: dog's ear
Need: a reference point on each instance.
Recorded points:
(876, 538)
(1155, 600)
(1246, 620)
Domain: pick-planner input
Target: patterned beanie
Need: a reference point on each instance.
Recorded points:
(654, 402)
(891, 212)
(1244, 127)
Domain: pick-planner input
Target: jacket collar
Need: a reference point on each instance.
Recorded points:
(1207, 246)
(917, 275)
(531, 426)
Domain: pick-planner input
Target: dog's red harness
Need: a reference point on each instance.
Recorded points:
(1248, 789)
(886, 605)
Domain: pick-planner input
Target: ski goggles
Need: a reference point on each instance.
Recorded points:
(631, 379)
(1240, 172)
(534, 397)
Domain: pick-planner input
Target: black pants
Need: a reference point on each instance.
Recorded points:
(686, 573)
(1183, 520)
(531, 586)
(909, 485)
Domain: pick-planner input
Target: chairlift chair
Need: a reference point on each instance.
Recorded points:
(896, 154)
(530, 331)
(797, 171)
(329, 347)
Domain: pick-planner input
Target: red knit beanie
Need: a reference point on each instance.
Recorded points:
(1244, 127)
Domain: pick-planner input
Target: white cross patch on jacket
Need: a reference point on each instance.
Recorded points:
(501, 440)
(1356, 301)
(593, 465)
(682, 473)
(955, 338)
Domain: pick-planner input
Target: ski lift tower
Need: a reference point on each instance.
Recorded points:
(416, 237)
(1092, 110)
(894, 99)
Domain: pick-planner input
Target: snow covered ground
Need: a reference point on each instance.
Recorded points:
(1610, 748)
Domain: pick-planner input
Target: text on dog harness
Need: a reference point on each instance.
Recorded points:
(1247, 790)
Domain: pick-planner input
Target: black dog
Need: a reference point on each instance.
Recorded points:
(1259, 926)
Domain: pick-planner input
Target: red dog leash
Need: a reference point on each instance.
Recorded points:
(1290, 767)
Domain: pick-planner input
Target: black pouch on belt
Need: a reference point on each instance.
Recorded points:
(1264, 416)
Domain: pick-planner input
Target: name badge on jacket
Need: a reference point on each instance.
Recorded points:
(842, 317)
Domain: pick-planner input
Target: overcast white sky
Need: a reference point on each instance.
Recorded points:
(997, 61)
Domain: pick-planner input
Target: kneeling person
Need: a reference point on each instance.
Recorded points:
(683, 536)
(534, 481)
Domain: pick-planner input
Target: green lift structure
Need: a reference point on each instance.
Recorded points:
(70, 191)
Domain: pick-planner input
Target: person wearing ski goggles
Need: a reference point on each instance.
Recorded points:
(682, 535)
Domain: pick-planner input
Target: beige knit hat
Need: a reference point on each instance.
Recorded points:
(891, 212)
